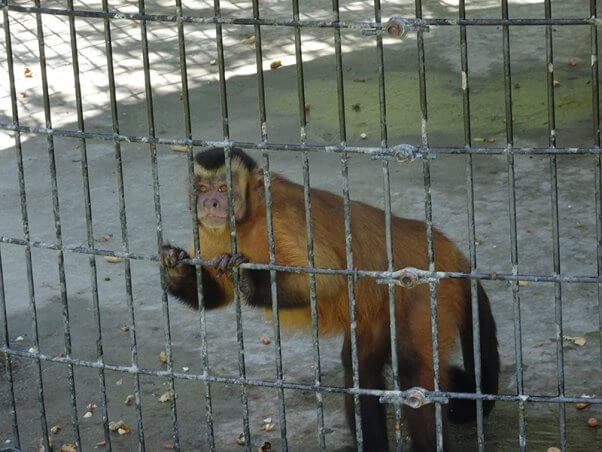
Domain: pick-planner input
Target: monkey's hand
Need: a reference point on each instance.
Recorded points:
(170, 258)
(226, 262)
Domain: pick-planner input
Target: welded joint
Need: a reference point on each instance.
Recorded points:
(404, 153)
(414, 398)
(409, 277)
(398, 27)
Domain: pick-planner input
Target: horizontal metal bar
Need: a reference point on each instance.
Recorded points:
(402, 152)
(383, 277)
(433, 395)
(292, 22)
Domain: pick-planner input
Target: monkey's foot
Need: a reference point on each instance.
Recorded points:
(226, 262)
(170, 256)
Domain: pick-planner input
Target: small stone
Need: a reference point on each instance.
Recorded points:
(265, 340)
(213, 62)
(55, 429)
(185, 369)
(530, 229)
(125, 328)
(87, 414)
(363, 135)
(178, 147)
(248, 41)
(165, 397)
(523, 283)
(556, 83)
(572, 61)
(119, 382)
(592, 422)
(275, 64)
(163, 357)
(129, 400)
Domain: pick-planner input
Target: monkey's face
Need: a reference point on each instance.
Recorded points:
(212, 200)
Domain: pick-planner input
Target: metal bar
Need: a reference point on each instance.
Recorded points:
(158, 223)
(429, 395)
(124, 228)
(89, 227)
(25, 223)
(476, 330)
(218, 19)
(236, 273)
(57, 223)
(347, 213)
(195, 230)
(8, 362)
(518, 345)
(384, 277)
(555, 225)
(429, 225)
(401, 152)
(593, 9)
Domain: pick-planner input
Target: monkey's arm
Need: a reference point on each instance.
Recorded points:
(182, 280)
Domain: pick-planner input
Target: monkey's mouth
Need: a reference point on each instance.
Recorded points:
(214, 220)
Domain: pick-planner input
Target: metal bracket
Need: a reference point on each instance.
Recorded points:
(413, 397)
(398, 27)
(409, 278)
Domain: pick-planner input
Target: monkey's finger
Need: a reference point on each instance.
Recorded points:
(236, 260)
(222, 264)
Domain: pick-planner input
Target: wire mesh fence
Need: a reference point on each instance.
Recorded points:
(385, 152)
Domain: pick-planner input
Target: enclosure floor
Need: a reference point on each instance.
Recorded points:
(576, 174)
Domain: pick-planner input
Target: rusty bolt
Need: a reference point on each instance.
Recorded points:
(408, 279)
(416, 398)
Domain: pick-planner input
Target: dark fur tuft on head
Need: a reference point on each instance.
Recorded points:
(214, 158)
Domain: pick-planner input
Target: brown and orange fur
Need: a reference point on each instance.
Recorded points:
(372, 309)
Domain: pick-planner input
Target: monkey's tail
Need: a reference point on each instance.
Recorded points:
(463, 380)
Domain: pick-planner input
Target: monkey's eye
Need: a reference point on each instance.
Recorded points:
(203, 188)
(222, 188)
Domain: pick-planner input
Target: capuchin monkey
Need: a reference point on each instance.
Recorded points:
(412, 305)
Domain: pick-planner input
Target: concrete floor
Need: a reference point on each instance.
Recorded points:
(576, 208)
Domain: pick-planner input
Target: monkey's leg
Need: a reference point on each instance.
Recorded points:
(421, 421)
(371, 366)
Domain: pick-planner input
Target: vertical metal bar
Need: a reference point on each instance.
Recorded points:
(25, 222)
(275, 316)
(270, 227)
(8, 361)
(593, 10)
(235, 274)
(426, 171)
(347, 212)
(124, 228)
(476, 330)
(555, 226)
(518, 345)
(313, 302)
(89, 227)
(388, 234)
(158, 223)
(195, 230)
(309, 230)
(57, 223)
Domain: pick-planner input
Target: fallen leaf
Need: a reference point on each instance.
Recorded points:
(240, 439)
(582, 405)
(129, 400)
(573, 61)
(165, 397)
(104, 238)
(577, 340)
(100, 444)
(113, 259)
(116, 425)
(19, 339)
(267, 420)
(275, 64)
(267, 427)
(168, 446)
(523, 283)
(91, 406)
(517, 85)
(397, 425)
(556, 83)
(307, 106)
(23, 94)
(248, 41)
(185, 369)
(163, 357)
(119, 382)
(579, 224)
(265, 447)
(123, 430)
(553, 449)
(27, 72)
(55, 429)
(88, 414)
(213, 62)
(125, 328)
(178, 147)
(68, 448)
(363, 136)
(265, 340)
(356, 107)
(592, 422)
(530, 229)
